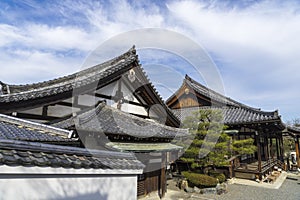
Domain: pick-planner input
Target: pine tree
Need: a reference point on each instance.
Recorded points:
(211, 146)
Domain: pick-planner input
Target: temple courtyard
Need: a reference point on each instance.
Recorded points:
(286, 188)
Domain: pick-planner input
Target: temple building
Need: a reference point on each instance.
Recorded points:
(294, 132)
(109, 107)
(105, 127)
(44, 162)
(121, 82)
(243, 122)
(108, 125)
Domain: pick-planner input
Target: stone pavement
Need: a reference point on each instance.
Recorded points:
(276, 185)
(286, 186)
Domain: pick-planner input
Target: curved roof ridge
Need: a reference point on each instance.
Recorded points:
(293, 128)
(32, 86)
(67, 85)
(267, 113)
(232, 115)
(84, 117)
(159, 97)
(107, 117)
(176, 92)
(219, 97)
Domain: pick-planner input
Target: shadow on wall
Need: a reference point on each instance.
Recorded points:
(91, 196)
(107, 187)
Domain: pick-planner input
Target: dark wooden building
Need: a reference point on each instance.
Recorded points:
(294, 132)
(243, 121)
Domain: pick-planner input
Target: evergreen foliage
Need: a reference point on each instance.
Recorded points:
(211, 146)
(200, 180)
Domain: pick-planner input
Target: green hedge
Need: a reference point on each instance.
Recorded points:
(200, 180)
(220, 176)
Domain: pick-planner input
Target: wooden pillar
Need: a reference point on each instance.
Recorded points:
(281, 147)
(277, 148)
(45, 111)
(163, 180)
(257, 135)
(267, 146)
(271, 148)
(297, 150)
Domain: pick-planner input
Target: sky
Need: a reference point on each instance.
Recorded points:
(255, 45)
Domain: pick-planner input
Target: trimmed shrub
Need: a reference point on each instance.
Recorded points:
(200, 180)
(220, 176)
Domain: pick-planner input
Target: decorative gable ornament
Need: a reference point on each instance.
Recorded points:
(131, 75)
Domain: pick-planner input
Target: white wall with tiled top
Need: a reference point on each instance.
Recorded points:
(86, 188)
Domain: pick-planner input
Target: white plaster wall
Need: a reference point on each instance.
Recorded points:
(109, 89)
(111, 188)
(132, 109)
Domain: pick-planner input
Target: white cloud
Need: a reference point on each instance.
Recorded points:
(43, 46)
(256, 45)
(25, 66)
(57, 38)
(9, 34)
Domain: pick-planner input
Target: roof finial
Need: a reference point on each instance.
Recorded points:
(276, 113)
(187, 77)
(133, 50)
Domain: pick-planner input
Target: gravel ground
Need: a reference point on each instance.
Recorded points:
(290, 190)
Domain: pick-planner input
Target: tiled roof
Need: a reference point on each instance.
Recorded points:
(293, 129)
(211, 94)
(28, 154)
(233, 112)
(17, 129)
(157, 98)
(215, 96)
(232, 115)
(22, 143)
(62, 88)
(66, 84)
(113, 121)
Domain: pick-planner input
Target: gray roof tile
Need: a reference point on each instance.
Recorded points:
(232, 115)
(97, 74)
(17, 129)
(234, 112)
(28, 154)
(293, 129)
(113, 121)
(100, 74)
(210, 94)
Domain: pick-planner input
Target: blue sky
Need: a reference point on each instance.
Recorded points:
(255, 44)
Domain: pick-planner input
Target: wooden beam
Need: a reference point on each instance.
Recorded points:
(68, 104)
(45, 111)
(125, 100)
(34, 116)
(141, 116)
